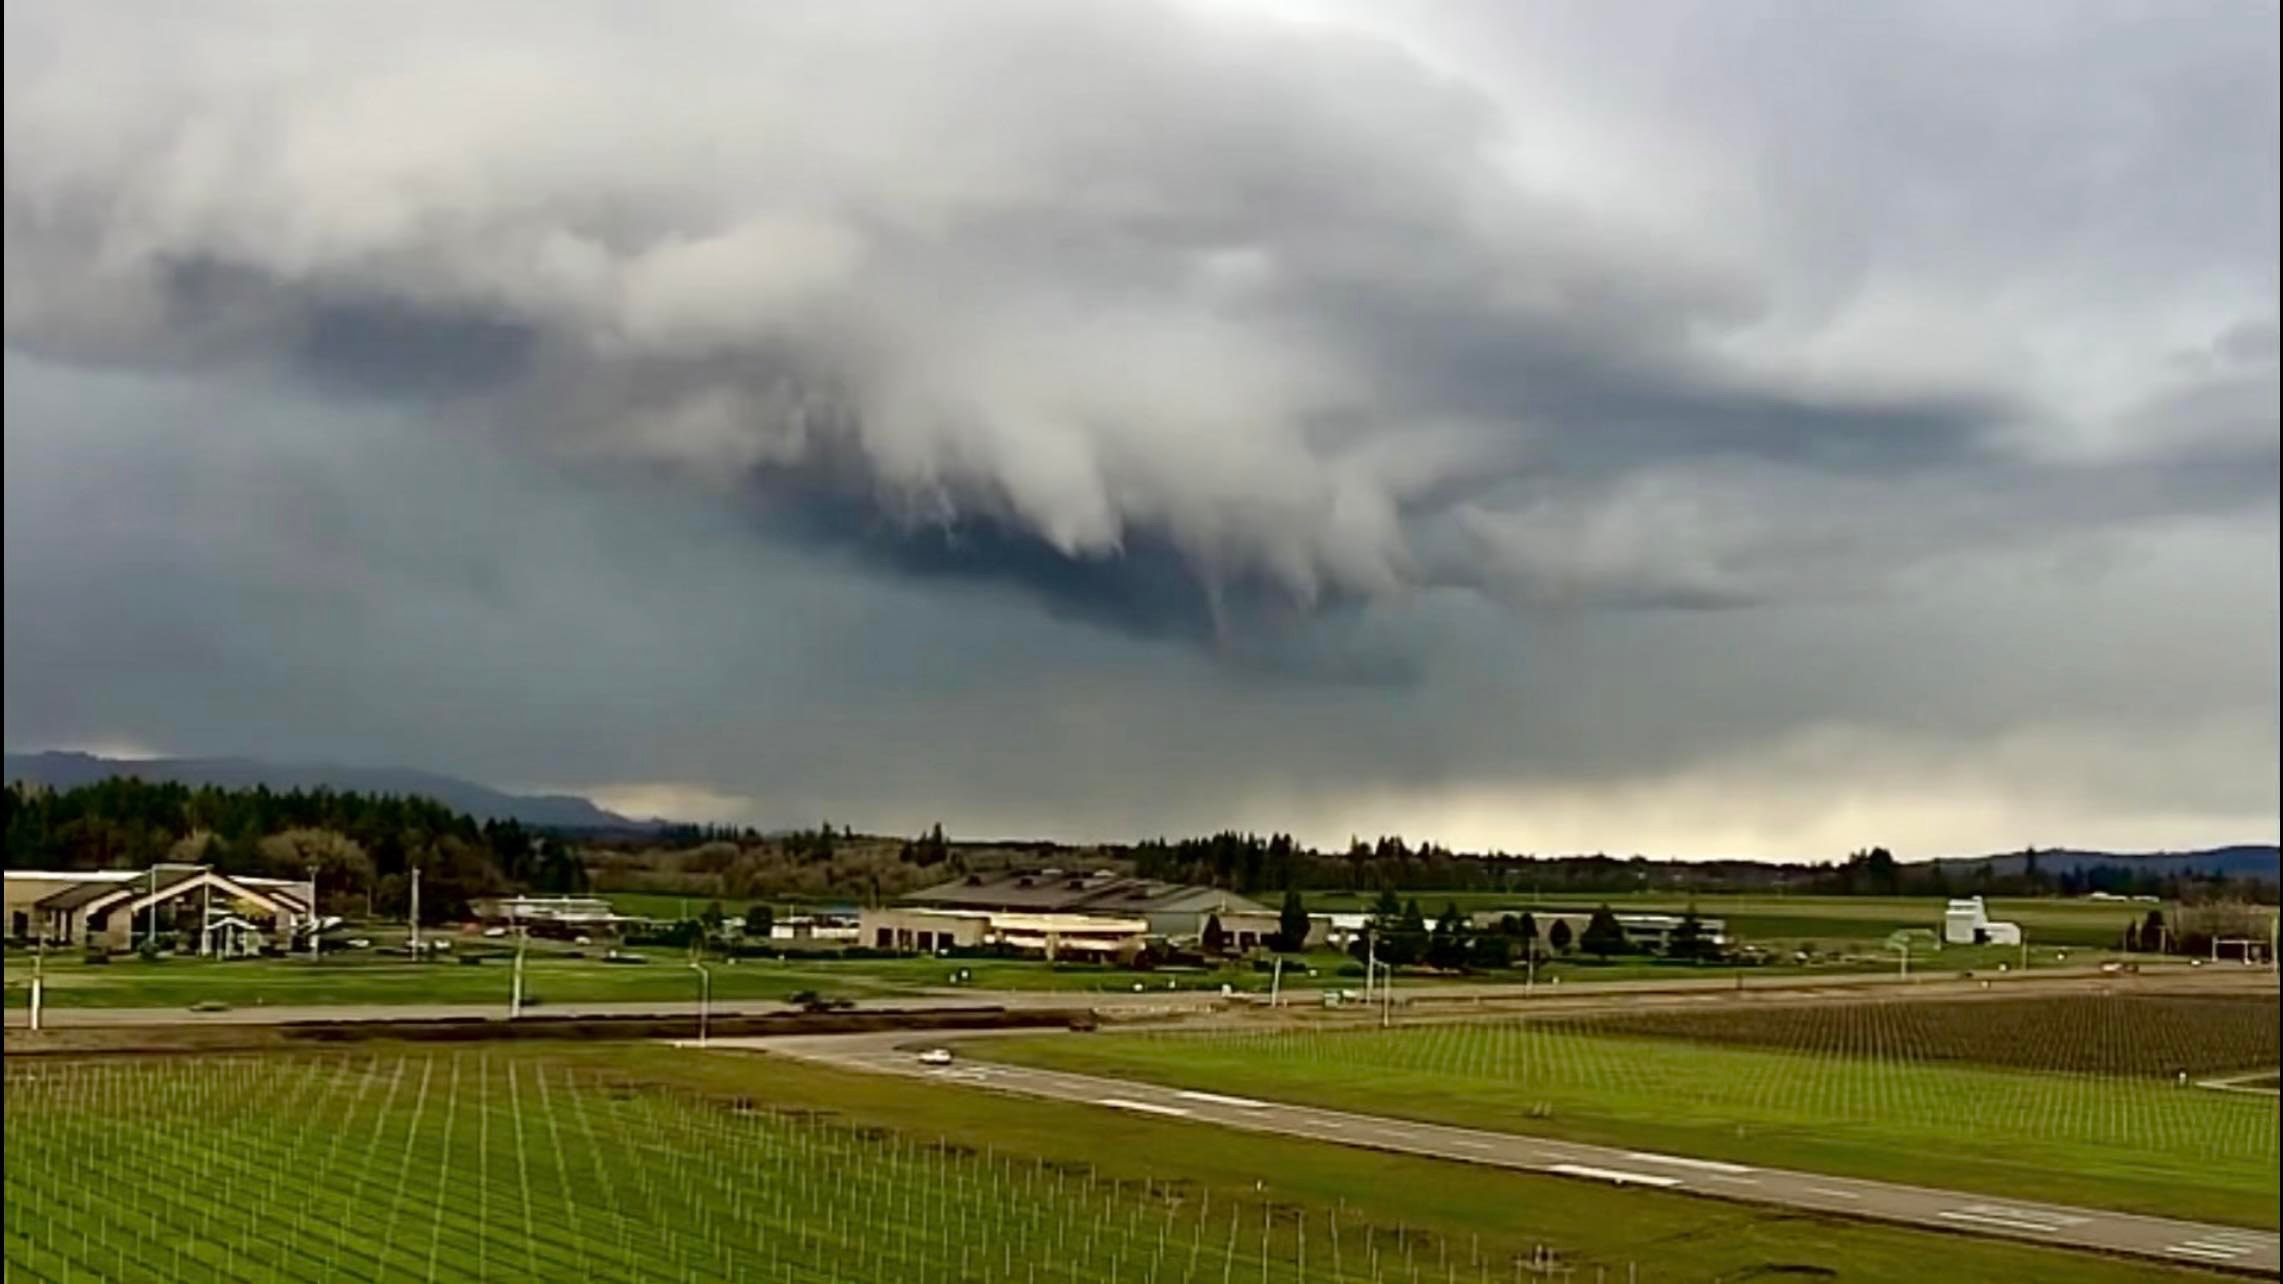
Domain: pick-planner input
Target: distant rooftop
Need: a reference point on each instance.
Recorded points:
(1060, 891)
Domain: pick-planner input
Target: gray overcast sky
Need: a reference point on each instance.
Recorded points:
(1737, 428)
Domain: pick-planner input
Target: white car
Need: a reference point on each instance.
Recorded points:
(936, 1057)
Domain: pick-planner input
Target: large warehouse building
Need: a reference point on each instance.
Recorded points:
(1091, 937)
(1174, 911)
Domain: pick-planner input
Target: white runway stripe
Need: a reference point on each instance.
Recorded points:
(1708, 1165)
(1146, 1107)
(1619, 1176)
(1986, 1219)
(1219, 1100)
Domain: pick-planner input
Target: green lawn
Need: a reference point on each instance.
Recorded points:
(1772, 920)
(642, 1162)
(672, 906)
(2130, 1143)
(367, 978)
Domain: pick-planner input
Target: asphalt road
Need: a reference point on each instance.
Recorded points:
(1133, 1005)
(2230, 1248)
(1413, 1001)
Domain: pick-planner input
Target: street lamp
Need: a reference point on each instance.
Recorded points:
(705, 997)
(39, 956)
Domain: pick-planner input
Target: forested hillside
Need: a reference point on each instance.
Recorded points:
(362, 846)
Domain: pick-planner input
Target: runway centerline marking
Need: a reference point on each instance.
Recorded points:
(1986, 1219)
(1617, 1175)
(1677, 1161)
(1217, 1099)
(1146, 1107)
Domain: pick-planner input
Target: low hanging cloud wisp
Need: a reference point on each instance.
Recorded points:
(1168, 314)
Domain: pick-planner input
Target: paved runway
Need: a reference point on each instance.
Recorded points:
(1130, 1005)
(2236, 1249)
(1412, 1001)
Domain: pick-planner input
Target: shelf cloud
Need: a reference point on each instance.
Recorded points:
(1285, 349)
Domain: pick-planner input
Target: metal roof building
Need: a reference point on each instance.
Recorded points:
(1171, 909)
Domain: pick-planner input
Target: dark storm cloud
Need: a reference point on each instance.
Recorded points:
(1189, 327)
(1293, 403)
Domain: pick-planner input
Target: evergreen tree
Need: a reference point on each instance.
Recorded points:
(1688, 939)
(2154, 938)
(1603, 937)
(1292, 923)
(1216, 937)
(1447, 945)
(1559, 936)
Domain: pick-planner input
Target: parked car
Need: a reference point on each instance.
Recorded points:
(936, 1057)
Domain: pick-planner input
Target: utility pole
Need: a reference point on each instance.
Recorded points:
(151, 914)
(1387, 999)
(313, 919)
(515, 992)
(416, 912)
(1276, 983)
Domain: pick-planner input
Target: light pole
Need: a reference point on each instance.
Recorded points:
(39, 956)
(1387, 998)
(1276, 983)
(705, 997)
(313, 919)
(515, 992)
(415, 915)
(1370, 962)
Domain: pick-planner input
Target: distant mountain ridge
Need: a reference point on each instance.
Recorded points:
(60, 769)
(2243, 860)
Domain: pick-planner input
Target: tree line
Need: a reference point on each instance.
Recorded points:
(1252, 864)
(361, 847)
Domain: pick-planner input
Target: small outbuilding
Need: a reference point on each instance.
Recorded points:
(1968, 922)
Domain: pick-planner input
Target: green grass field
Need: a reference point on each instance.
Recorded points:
(641, 1162)
(360, 978)
(1842, 1102)
(365, 978)
(1784, 920)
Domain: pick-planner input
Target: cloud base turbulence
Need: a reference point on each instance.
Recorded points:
(1702, 429)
